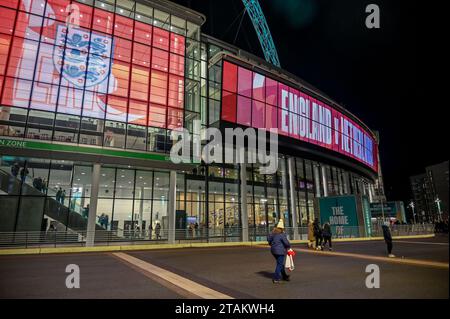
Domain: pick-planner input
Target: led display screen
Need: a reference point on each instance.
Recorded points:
(66, 57)
(254, 100)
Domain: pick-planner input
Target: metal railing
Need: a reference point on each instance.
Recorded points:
(38, 239)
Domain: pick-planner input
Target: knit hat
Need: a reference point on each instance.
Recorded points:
(280, 224)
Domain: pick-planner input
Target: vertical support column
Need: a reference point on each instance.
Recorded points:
(293, 196)
(141, 211)
(244, 212)
(316, 179)
(371, 193)
(341, 181)
(93, 205)
(345, 182)
(324, 181)
(172, 206)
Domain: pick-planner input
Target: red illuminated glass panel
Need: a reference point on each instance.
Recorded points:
(158, 90)
(259, 85)
(143, 33)
(7, 20)
(142, 55)
(177, 44)
(139, 83)
(157, 115)
(123, 68)
(176, 64)
(229, 106)
(139, 110)
(176, 91)
(271, 91)
(116, 106)
(161, 39)
(103, 21)
(160, 60)
(85, 18)
(244, 111)
(258, 120)
(10, 3)
(229, 77)
(123, 27)
(174, 118)
(24, 30)
(57, 6)
(5, 42)
(244, 82)
(122, 49)
(271, 116)
(121, 72)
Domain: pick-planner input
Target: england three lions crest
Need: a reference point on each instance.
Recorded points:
(83, 58)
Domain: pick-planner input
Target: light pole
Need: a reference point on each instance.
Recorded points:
(438, 203)
(412, 207)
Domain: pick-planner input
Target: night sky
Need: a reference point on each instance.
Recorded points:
(384, 76)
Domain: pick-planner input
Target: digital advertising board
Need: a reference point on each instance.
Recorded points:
(255, 100)
(66, 57)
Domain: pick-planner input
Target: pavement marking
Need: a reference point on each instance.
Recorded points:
(420, 242)
(174, 279)
(415, 262)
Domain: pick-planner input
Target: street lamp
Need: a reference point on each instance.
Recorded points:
(412, 207)
(438, 203)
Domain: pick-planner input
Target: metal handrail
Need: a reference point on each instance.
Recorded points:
(106, 237)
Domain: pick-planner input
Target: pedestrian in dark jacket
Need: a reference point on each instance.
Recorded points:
(317, 234)
(279, 244)
(326, 233)
(388, 239)
(15, 169)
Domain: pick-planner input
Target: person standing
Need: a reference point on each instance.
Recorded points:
(388, 239)
(15, 169)
(326, 234)
(63, 196)
(317, 233)
(58, 195)
(158, 231)
(311, 238)
(279, 244)
(24, 173)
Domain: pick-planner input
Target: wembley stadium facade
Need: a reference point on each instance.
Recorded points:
(90, 92)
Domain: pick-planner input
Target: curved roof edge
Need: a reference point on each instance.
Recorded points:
(258, 62)
(176, 9)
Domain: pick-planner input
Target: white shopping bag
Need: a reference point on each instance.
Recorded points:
(289, 264)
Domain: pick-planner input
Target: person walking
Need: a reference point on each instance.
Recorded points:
(279, 244)
(86, 211)
(326, 234)
(158, 230)
(106, 221)
(388, 239)
(317, 234)
(311, 238)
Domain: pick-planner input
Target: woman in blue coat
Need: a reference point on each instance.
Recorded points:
(279, 244)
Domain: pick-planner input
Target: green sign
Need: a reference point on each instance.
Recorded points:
(341, 213)
(37, 145)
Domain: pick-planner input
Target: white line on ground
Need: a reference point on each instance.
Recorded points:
(177, 280)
